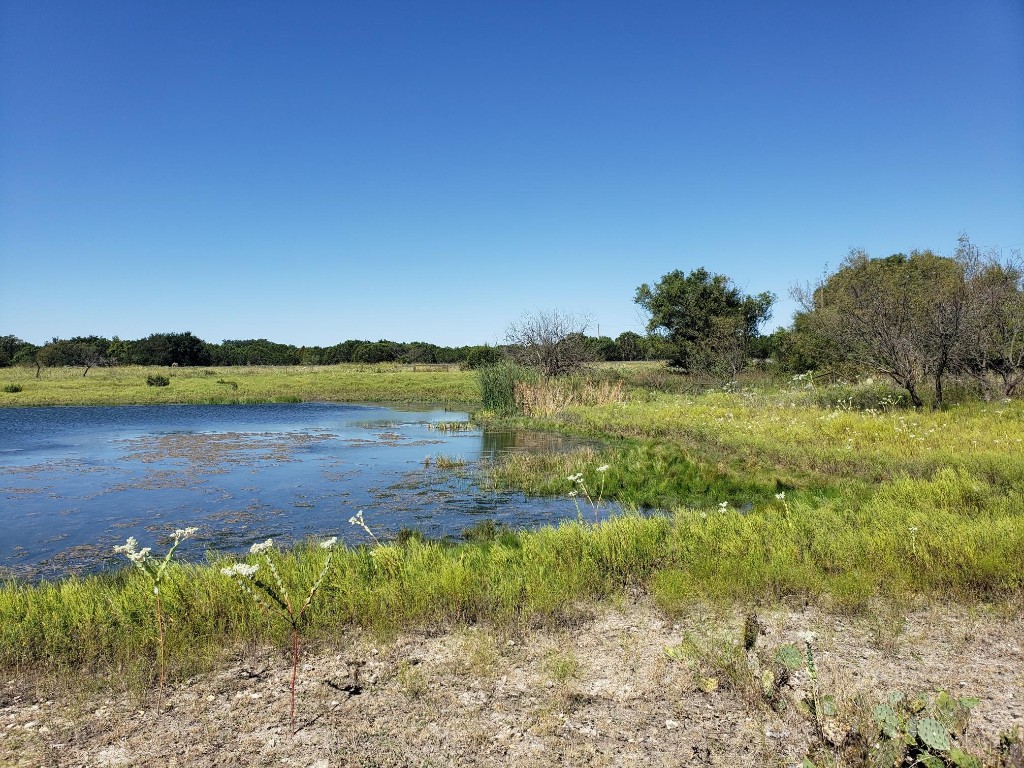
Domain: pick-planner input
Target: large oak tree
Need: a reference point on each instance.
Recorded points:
(708, 321)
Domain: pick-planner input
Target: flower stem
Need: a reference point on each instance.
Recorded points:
(295, 669)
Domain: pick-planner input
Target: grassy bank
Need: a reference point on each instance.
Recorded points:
(784, 548)
(258, 384)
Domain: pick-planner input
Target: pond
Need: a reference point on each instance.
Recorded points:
(76, 481)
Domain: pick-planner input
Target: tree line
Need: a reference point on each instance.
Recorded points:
(186, 349)
(917, 319)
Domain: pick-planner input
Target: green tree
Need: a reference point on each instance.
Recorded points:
(906, 317)
(707, 320)
(997, 332)
(80, 351)
(13, 350)
(632, 346)
(604, 348)
(479, 356)
(170, 349)
(382, 351)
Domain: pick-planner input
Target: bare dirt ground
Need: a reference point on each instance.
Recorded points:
(601, 691)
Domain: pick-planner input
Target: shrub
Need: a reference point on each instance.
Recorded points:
(157, 381)
(13, 388)
(498, 386)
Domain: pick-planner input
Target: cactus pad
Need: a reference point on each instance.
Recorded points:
(932, 733)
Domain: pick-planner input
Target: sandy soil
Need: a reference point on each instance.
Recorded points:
(599, 691)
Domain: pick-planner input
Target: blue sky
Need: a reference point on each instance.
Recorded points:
(311, 172)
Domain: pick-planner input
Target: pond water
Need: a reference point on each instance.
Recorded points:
(74, 482)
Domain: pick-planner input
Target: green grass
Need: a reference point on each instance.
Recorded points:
(779, 548)
(258, 384)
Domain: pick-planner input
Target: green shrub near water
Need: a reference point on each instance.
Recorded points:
(498, 386)
(13, 388)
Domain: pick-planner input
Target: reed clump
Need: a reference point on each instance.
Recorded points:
(548, 397)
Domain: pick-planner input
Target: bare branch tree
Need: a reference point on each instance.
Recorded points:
(555, 342)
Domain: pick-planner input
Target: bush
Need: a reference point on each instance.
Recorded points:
(478, 357)
(13, 388)
(157, 381)
(498, 386)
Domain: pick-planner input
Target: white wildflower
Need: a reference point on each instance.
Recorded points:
(723, 506)
(329, 543)
(128, 548)
(255, 549)
(240, 569)
(603, 468)
(183, 533)
(572, 494)
(780, 496)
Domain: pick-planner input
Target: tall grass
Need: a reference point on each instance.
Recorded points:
(547, 397)
(498, 384)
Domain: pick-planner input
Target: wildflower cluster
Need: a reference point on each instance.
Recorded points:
(144, 560)
(275, 597)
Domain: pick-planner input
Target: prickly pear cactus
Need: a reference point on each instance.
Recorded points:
(933, 734)
(888, 753)
(789, 656)
(886, 718)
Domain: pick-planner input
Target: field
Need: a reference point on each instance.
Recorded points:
(817, 548)
(266, 384)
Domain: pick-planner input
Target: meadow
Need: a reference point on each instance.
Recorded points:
(127, 385)
(767, 492)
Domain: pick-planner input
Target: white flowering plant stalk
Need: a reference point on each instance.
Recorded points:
(781, 497)
(580, 488)
(155, 570)
(274, 597)
(357, 519)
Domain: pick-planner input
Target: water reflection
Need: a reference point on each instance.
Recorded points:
(495, 443)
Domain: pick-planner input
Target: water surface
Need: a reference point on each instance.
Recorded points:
(75, 481)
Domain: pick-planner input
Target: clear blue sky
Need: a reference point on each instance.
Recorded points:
(316, 171)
